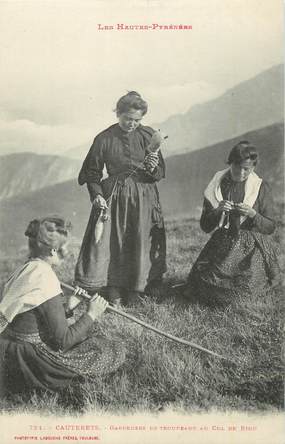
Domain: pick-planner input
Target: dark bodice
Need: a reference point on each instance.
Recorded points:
(121, 153)
(49, 320)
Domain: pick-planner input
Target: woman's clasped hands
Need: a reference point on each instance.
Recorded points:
(241, 208)
(225, 205)
(97, 304)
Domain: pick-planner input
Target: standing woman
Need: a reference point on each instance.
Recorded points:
(239, 259)
(128, 256)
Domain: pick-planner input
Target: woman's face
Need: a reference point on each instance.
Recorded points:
(130, 120)
(241, 171)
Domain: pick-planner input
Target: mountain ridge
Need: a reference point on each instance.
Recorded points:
(181, 192)
(25, 172)
(248, 106)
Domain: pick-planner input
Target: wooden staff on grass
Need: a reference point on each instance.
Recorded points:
(112, 309)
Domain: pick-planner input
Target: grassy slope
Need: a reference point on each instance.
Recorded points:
(161, 374)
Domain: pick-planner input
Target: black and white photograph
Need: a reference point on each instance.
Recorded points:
(142, 221)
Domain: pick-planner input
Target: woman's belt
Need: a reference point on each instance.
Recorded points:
(140, 176)
(32, 338)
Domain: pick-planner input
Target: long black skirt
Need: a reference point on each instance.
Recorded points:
(229, 266)
(132, 250)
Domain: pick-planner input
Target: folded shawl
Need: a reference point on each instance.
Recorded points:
(29, 286)
(213, 191)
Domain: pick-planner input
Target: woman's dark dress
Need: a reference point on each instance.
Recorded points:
(40, 350)
(239, 261)
(132, 250)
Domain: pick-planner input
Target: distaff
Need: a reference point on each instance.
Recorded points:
(112, 309)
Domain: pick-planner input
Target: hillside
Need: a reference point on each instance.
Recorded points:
(79, 152)
(188, 174)
(21, 173)
(181, 193)
(253, 104)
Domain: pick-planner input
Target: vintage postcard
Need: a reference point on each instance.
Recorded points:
(142, 160)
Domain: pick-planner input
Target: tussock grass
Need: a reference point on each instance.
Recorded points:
(159, 374)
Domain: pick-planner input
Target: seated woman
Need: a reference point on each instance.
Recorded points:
(239, 258)
(38, 349)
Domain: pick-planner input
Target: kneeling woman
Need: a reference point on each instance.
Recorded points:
(239, 259)
(38, 349)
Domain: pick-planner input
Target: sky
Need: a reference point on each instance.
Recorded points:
(61, 76)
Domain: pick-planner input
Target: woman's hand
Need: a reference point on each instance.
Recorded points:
(225, 205)
(99, 202)
(151, 161)
(97, 306)
(245, 210)
(156, 140)
(75, 298)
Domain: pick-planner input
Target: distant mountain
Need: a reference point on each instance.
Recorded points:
(21, 173)
(250, 105)
(253, 104)
(79, 152)
(181, 192)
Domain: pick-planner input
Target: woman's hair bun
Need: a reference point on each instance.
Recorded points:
(33, 228)
(134, 93)
(131, 100)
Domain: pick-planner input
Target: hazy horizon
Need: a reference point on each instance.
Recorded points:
(61, 76)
